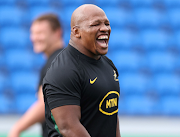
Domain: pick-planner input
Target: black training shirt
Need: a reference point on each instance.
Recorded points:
(76, 79)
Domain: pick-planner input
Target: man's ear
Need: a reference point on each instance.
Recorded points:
(76, 32)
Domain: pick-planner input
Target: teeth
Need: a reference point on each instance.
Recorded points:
(103, 37)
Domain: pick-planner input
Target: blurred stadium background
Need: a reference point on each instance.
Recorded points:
(144, 45)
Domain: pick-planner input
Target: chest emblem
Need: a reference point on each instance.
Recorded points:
(93, 81)
(109, 104)
(115, 76)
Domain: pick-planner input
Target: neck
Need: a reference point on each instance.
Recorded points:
(52, 48)
(80, 48)
(71, 42)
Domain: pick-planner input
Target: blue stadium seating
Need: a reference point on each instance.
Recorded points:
(104, 3)
(154, 40)
(126, 60)
(170, 3)
(161, 61)
(7, 2)
(173, 18)
(167, 84)
(133, 84)
(148, 18)
(14, 37)
(19, 60)
(2, 82)
(1, 60)
(121, 105)
(170, 105)
(7, 104)
(10, 16)
(141, 3)
(36, 11)
(66, 17)
(118, 17)
(140, 105)
(176, 39)
(24, 82)
(66, 36)
(37, 2)
(72, 2)
(122, 39)
(24, 101)
(38, 61)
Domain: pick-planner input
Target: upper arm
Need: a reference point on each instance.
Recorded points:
(66, 116)
(68, 121)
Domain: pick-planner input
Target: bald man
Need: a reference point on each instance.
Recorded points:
(81, 88)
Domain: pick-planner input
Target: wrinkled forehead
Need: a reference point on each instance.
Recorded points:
(92, 15)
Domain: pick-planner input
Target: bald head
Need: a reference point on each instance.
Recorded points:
(90, 30)
(82, 13)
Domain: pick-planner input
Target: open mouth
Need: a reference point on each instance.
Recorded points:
(102, 40)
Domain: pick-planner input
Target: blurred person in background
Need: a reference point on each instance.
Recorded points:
(83, 100)
(46, 36)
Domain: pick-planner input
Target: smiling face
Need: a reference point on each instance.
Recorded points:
(94, 30)
(41, 36)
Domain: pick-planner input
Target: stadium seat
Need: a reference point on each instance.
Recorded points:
(66, 16)
(7, 2)
(17, 60)
(12, 37)
(24, 101)
(10, 16)
(170, 105)
(118, 17)
(140, 105)
(38, 61)
(161, 61)
(177, 39)
(141, 3)
(1, 59)
(173, 18)
(3, 81)
(148, 18)
(122, 39)
(171, 3)
(121, 105)
(133, 83)
(105, 3)
(37, 2)
(66, 36)
(24, 82)
(36, 11)
(76, 3)
(167, 84)
(7, 104)
(126, 60)
(154, 40)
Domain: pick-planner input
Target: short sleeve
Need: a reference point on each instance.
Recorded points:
(61, 86)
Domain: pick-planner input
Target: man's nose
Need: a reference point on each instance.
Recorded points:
(104, 27)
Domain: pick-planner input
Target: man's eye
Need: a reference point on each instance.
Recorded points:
(95, 24)
(107, 24)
